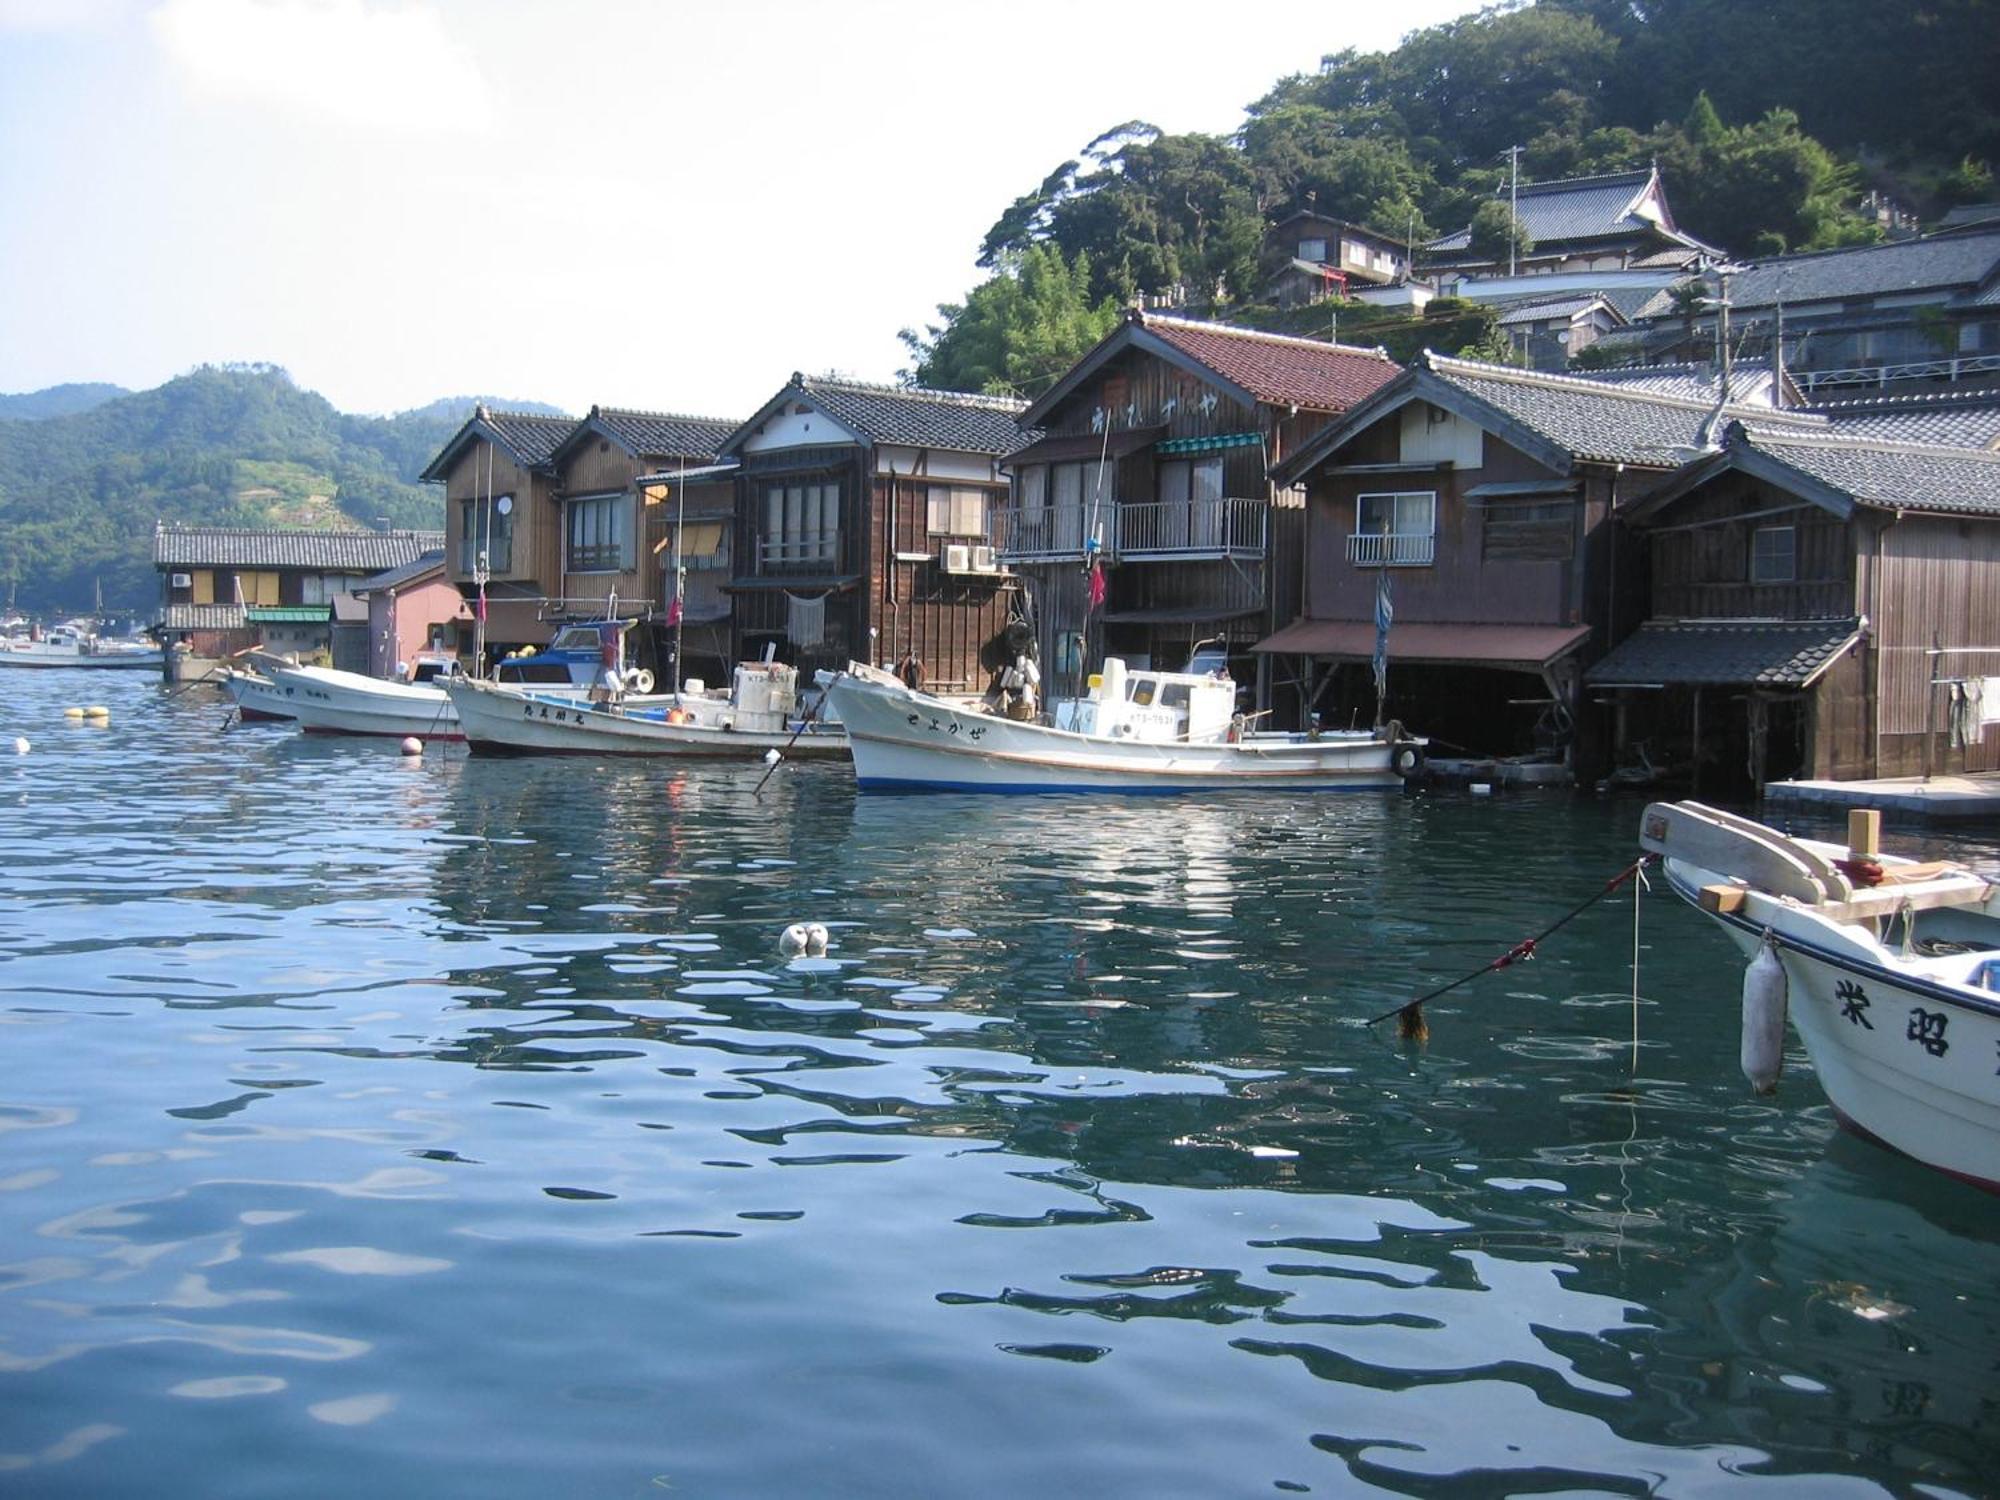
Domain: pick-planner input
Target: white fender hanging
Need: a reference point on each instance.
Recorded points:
(1763, 1055)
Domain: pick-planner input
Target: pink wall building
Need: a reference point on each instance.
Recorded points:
(410, 609)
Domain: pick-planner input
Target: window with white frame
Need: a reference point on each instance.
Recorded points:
(1396, 530)
(957, 511)
(1774, 554)
(801, 525)
(600, 534)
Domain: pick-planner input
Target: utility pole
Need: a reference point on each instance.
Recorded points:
(1513, 204)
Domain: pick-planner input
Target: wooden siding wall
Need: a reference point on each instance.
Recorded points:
(706, 504)
(760, 609)
(596, 467)
(951, 622)
(1840, 725)
(537, 556)
(1462, 585)
(1937, 578)
(1704, 572)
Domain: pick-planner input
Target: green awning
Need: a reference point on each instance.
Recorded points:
(1209, 444)
(286, 614)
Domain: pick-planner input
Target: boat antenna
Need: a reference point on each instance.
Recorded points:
(680, 568)
(482, 538)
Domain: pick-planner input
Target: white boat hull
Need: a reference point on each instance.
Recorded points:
(1905, 1049)
(513, 721)
(328, 702)
(31, 656)
(256, 698)
(908, 741)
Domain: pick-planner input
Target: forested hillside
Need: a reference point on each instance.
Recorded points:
(1769, 122)
(58, 401)
(239, 445)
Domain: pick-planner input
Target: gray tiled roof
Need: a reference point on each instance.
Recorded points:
(917, 418)
(1945, 419)
(665, 434)
(396, 577)
(529, 436)
(1704, 652)
(1598, 420)
(1883, 475)
(315, 551)
(1941, 261)
(204, 617)
(1576, 208)
(1749, 384)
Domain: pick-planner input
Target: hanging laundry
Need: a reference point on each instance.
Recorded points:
(805, 620)
(1989, 700)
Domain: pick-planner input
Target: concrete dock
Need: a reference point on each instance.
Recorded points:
(1937, 798)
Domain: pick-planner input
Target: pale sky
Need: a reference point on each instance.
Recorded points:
(658, 205)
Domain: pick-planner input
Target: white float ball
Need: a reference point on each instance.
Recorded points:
(413, 746)
(20, 745)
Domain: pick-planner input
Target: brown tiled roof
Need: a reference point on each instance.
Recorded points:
(1276, 368)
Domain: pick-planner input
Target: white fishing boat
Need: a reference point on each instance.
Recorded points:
(1136, 731)
(1889, 969)
(760, 714)
(71, 646)
(257, 698)
(325, 701)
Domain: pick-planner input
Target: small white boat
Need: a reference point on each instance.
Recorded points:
(69, 646)
(759, 715)
(256, 697)
(325, 701)
(1890, 971)
(1136, 731)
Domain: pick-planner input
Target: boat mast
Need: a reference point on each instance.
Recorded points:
(680, 568)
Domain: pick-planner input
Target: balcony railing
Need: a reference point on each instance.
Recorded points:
(1377, 549)
(798, 552)
(1959, 368)
(1148, 531)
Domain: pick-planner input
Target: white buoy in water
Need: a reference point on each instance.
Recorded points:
(792, 941)
(816, 938)
(72, 713)
(20, 745)
(1763, 1055)
(1482, 788)
(97, 711)
(412, 745)
(772, 757)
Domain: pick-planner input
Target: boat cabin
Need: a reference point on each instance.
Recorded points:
(1155, 707)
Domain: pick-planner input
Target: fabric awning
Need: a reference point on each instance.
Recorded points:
(1210, 444)
(1702, 653)
(1086, 445)
(1526, 648)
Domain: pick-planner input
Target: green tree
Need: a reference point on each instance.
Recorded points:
(1017, 332)
(1497, 235)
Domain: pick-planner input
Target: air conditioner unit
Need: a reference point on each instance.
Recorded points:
(181, 580)
(957, 558)
(984, 561)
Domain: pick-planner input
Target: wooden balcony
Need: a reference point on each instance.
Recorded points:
(1148, 531)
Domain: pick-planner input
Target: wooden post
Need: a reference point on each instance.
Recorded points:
(1864, 832)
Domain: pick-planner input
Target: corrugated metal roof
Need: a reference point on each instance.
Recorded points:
(287, 614)
(312, 551)
(1692, 653)
(1519, 647)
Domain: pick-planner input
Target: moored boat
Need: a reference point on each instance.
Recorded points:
(69, 646)
(326, 701)
(1136, 732)
(758, 715)
(257, 698)
(1889, 969)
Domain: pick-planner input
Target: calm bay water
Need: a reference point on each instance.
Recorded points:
(454, 1128)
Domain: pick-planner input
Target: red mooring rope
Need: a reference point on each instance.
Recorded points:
(1521, 951)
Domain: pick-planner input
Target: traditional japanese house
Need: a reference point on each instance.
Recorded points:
(616, 524)
(862, 529)
(408, 609)
(1154, 467)
(1615, 221)
(1479, 497)
(1822, 606)
(224, 589)
(1310, 257)
(503, 529)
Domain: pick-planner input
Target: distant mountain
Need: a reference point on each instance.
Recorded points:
(455, 409)
(58, 401)
(231, 445)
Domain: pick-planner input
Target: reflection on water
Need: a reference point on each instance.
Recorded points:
(457, 1126)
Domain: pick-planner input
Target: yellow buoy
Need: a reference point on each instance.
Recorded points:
(72, 713)
(97, 711)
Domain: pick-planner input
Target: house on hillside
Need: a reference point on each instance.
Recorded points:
(862, 529)
(1484, 494)
(1821, 606)
(1312, 257)
(1616, 221)
(1920, 311)
(502, 529)
(225, 589)
(1547, 332)
(1154, 461)
(616, 527)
